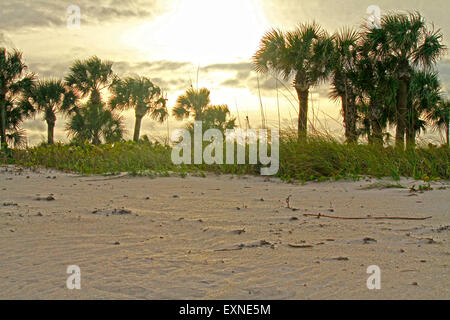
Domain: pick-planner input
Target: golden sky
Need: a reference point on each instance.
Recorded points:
(169, 40)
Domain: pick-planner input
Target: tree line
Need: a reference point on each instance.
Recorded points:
(382, 76)
(79, 96)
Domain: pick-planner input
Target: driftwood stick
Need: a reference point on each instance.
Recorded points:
(363, 218)
(123, 175)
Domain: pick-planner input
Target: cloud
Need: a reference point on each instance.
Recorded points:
(36, 125)
(5, 41)
(18, 14)
(444, 75)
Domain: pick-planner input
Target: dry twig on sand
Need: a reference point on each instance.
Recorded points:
(288, 206)
(363, 218)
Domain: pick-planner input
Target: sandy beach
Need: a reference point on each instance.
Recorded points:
(219, 237)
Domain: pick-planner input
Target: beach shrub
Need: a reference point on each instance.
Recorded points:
(317, 158)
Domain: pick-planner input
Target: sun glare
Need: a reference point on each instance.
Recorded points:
(202, 31)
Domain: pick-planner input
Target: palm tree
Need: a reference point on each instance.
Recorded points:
(193, 103)
(13, 82)
(376, 90)
(406, 40)
(304, 54)
(15, 115)
(343, 77)
(218, 117)
(439, 115)
(96, 124)
(424, 96)
(49, 97)
(89, 77)
(141, 95)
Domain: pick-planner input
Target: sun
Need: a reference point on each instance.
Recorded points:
(202, 31)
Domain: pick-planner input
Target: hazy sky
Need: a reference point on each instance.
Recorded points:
(168, 40)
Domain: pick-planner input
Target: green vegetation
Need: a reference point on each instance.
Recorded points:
(384, 77)
(91, 159)
(317, 158)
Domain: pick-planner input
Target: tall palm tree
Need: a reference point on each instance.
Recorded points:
(376, 91)
(304, 54)
(13, 81)
(96, 124)
(141, 95)
(193, 103)
(343, 76)
(409, 43)
(49, 97)
(89, 77)
(424, 96)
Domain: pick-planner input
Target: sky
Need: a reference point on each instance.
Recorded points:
(179, 43)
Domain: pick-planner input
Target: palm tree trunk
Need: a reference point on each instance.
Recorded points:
(3, 123)
(410, 127)
(448, 132)
(137, 128)
(352, 122)
(349, 114)
(410, 136)
(377, 133)
(96, 138)
(375, 123)
(50, 132)
(402, 109)
(95, 97)
(302, 112)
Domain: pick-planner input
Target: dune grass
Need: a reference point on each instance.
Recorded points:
(320, 158)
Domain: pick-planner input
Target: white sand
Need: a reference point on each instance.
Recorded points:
(168, 245)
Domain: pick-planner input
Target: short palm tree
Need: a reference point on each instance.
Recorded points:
(343, 76)
(218, 117)
(96, 124)
(49, 97)
(193, 103)
(15, 115)
(141, 95)
(89, 77)
(406, 40)
(13, 82)
(304, 54)
(440, 117)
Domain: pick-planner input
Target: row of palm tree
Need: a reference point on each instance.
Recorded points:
(381, 75)
(13, 82)
(79, 96)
